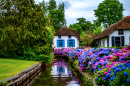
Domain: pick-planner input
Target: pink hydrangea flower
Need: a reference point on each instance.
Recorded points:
(105, 73)
(86, 67)
(109, 70)
(96, 73)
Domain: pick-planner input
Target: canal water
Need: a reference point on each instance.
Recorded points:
(58, 74)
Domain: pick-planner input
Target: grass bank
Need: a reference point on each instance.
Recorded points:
(11, 67)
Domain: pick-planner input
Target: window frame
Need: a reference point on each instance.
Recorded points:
(71, 43)
(69, 36)
(120, 32)
(61, 42)
(59, 36)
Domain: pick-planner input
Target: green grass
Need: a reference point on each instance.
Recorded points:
(11, 67)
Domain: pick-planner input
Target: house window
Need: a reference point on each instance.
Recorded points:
(69, 36)
(59, 37)
(120, 32)
(117, 41)
(61, 43)
(71, 43)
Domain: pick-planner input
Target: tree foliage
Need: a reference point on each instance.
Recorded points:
(86, 38)
(109, 12)
(76, 27)
(25, 33)
(97, 31)
(56, 13)
(85, 25)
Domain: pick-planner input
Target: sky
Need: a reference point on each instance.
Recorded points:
(84, 8)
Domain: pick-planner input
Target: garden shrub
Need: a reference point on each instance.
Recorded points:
(26, 34)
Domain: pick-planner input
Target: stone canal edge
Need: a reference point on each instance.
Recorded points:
(24, 78)
(27, 76)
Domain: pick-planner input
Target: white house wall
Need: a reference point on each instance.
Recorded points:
(115, 33)
(65, 38)
(105, 42)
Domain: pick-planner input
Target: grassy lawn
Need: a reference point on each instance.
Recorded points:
(11, 67)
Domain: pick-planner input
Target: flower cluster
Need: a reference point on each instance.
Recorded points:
(109, 66)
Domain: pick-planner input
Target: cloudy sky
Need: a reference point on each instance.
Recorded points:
(84, 8)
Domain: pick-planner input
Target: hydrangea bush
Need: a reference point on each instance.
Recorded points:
(109, 66)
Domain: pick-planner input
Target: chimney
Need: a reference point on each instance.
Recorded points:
(127, 16)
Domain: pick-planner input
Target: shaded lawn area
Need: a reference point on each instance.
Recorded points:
(11, 67)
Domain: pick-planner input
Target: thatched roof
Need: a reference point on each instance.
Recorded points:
(64, 31)
(122, 24)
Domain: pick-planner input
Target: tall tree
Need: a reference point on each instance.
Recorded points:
(86, 25)
(109, 12)
(44, 8)
(52, 5)
(55, 13)
(24, 32)
(76, 27)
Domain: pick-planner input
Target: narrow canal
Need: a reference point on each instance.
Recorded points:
(58, 74)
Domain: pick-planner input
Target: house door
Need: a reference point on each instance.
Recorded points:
(117, 41)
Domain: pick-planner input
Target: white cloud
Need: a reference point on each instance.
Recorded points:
(80, 9)
(83, 4)
(84, 8)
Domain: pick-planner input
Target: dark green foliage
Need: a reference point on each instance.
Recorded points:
(76, 27)
(109, 12)
(25, 33)
(85, 25)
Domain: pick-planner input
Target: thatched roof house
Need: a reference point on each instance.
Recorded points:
(117, 34)
(66, 37)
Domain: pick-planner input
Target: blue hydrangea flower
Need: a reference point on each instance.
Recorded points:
(120, 65)
(128, 80)
(112, 78)
(115, 73)
(128, 64)
(99, 63)
(104, 78)
(126, 74)
(123, 68)
(91, 68)
(114, 68)
(105, 63)
(118, 70)
(108, 75)
(97, 78)
(129, 67)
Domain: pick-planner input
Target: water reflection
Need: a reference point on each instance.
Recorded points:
(59, 74)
